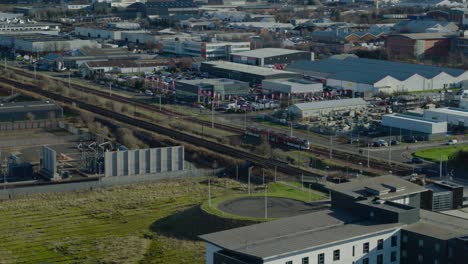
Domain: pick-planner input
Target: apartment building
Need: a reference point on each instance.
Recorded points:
(371, 220)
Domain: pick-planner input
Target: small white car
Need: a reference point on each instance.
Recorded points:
(452, 142)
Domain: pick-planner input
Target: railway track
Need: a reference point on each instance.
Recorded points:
(339, 154)
(213, 146)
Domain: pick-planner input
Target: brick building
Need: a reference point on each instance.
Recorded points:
(419, 45)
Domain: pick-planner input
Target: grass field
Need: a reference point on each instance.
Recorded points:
(118, 225)
(435, 154)
(274, 190)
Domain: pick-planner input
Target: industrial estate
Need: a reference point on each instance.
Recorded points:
(234, 131)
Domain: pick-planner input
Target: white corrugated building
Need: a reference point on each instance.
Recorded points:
(318, 108)
(374, 76)
(453, 116)
(410, 125)
(292, 86)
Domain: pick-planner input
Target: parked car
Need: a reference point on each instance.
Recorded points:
(417, 160)
(394, 142)
(452, 142)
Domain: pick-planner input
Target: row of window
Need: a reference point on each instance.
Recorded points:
(365, 250)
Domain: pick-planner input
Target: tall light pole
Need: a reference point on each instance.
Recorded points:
(209, 191)
(368, 155)
(331, 147)
(266, 202)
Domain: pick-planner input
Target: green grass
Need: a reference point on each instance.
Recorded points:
(435, 154)
(105, 226)
(274, 190)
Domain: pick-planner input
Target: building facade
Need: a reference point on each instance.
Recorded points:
(418, 45)
(270, 56)
(200, 91)
(207, 50)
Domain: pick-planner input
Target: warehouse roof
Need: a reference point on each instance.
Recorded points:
(37, 37)
(267, 52)
(367, 70)
(413, 118)
(210, 81)
(317, 105)
(424, 36)
(449, 111)
(384, 187)
(294, 234)
(246, 68)
(293, 85)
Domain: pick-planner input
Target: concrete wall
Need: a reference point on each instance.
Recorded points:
(144, 161)
(18, 125)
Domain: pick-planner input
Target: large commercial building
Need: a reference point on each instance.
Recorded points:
(410, 125)
(199, 90)
(109, 33)
(34, 110)
(23, 27)
(207, 50)
(322, 108)
(90, 68)
(371, 220)
(293, 87)
(442, 195)
(374, 76)
(270, 56)
(43, 43)
(246, 73)
(162, 8)
(453, 116)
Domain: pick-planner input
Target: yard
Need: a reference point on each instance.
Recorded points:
(117, 225)
(435, 154)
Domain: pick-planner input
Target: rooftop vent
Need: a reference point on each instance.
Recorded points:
(395, 188)
(377, 189)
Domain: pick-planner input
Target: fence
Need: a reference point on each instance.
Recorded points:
(26, 124)
(105, 182)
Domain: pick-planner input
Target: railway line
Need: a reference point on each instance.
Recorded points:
(339, 154)
(213, 146)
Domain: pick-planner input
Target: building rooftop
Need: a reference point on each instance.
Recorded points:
(384, 187)
(294, 234)
(209, 81)
(37, 37)
(128, 63)
(317, 105)
(267, 52)
(246, 68)
(439, 225)
(367, 70)
(414, 118)
(449, 111)
(427, 36)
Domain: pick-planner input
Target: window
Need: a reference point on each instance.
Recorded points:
(365, 248)
(354, 250)
(420, 258)
(393, 256)
(321, 258)
(436, 261)
(404, 253)
(380, 259)
(394, 241)
(289, 262)
(336, 254)
(421, 243)
(365, 261)
(437, 247)
(380, 244)
(405, 238)
(305, 260)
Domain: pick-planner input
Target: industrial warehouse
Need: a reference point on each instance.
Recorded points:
(410, 125)
(246, 73)
(41, 43)
(322, 108)
(368, 76)
(270, 56)
(201, 90)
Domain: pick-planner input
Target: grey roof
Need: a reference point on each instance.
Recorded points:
(419, 26)
(292, 234)
(356, 188)
(317, 105)
(267, 52)
(439, 225)
(367, 70)
(210, 81)
(449, 111)
(247, 68)
(424, 36)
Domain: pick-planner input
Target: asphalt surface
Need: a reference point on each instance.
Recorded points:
(277, 207)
